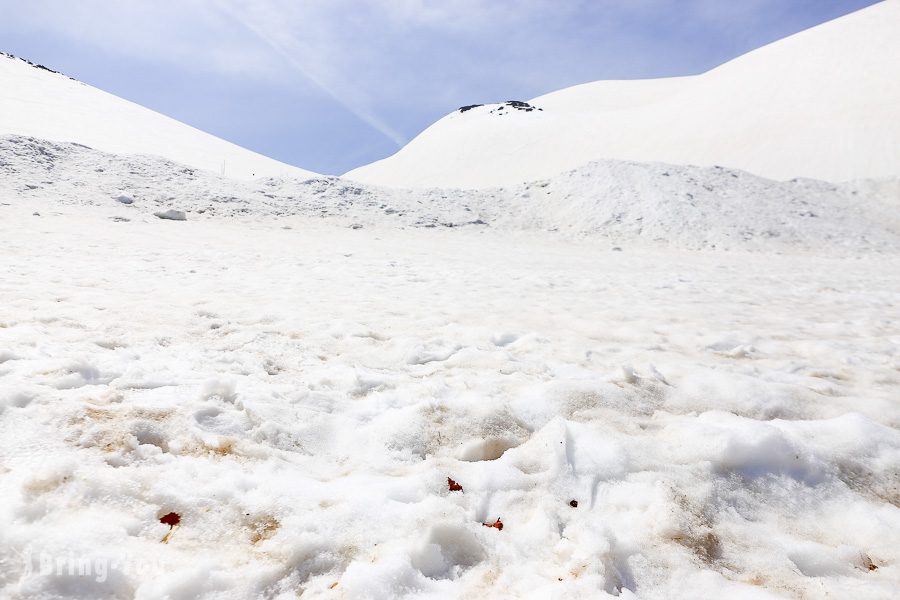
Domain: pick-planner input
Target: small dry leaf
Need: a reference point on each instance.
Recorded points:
(574, 503)
(172, 519)
(867, 563)
(498, 524)
(454, 487)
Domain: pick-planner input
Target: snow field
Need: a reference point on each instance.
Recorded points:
(726, 422)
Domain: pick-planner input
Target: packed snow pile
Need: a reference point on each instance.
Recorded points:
(37, 101)
(622, 203)
(274, 407)
(822, 104)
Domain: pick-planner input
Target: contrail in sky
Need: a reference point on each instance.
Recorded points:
(275, 35)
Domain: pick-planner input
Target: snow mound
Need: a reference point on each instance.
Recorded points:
(627, 204)
(822, 104)
(37, 101)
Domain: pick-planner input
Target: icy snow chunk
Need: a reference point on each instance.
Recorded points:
(433, 351)
(733, 351)
(6, 355)
(214, 420)
(80, 374)
(818, 560)
(657, 375)
(123, 199)
(448, 550)
(150, 434)
(485, 449)
(504, 339)
(225, 389)
(171, 215)
(16, 398)
(385, 576)
(758, 450)
(366, 383)
(629, 374)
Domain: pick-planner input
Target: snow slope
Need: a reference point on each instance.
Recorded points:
(822, 104)
(622, 203)
(38, 102)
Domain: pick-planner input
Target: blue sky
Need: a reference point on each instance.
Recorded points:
(333, 84)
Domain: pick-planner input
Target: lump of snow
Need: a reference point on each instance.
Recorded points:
(432, 351)
(504, 339)
(758, 450)
(223, 389)
(125, 199)
(6, 355)
(448, 550)
(819, 560)
(479, 450)
(171, 215)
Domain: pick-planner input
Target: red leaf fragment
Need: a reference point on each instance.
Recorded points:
(454, 487)
(172, 519)
(498, 524)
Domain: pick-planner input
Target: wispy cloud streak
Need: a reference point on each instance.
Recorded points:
(265, 21)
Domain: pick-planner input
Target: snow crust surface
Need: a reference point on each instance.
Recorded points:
(35, 101)
(298, 367)
(822, 104)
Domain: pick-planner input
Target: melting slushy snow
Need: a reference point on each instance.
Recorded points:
(290, 395)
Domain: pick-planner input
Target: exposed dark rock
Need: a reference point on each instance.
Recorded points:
(519, 105)
(36, 66)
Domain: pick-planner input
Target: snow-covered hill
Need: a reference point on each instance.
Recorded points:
(628, 204)
(823, 104)
(35, 101)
